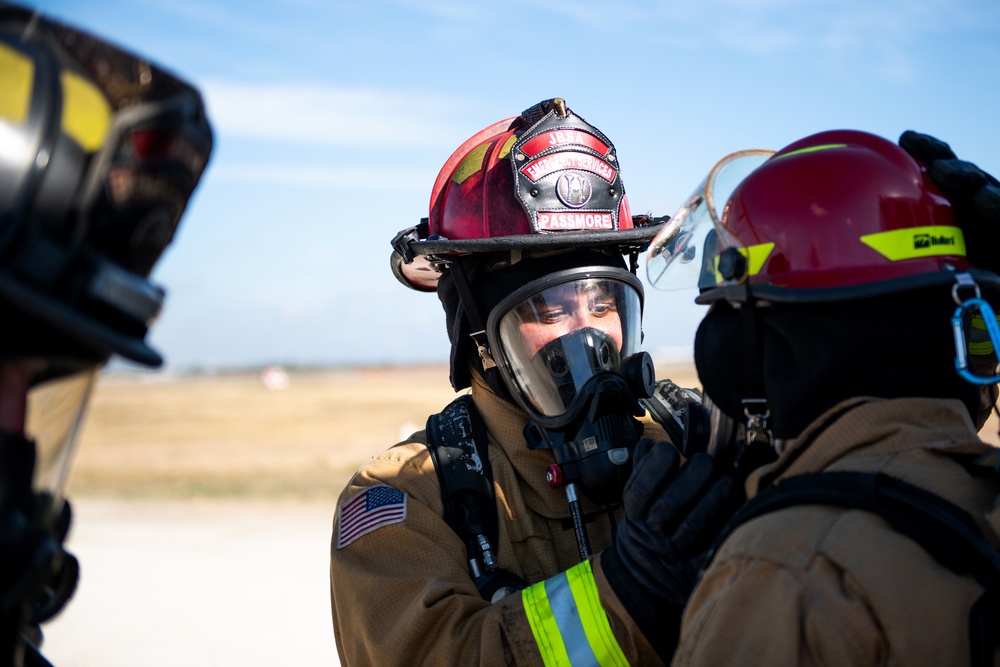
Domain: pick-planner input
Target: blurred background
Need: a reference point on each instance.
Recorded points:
(205, 492)
(332, 120)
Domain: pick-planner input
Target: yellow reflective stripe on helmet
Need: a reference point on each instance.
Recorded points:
(17, 74)
(756, 256)
(470, 164)
(86, 114)
(570, 626)
(505, 149)
(899, 244)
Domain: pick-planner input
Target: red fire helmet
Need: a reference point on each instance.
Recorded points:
(546, 179)
(837, 215)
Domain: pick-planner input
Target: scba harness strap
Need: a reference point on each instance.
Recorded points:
(567, 620)
(947, 532)
(458, 445)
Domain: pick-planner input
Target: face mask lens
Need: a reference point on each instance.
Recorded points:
(558, 337)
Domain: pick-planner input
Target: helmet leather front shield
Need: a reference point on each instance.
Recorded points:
(685, 253)
(552, 336)
(544, 180)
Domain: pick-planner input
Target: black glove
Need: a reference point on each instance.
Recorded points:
(974, 195)
(672, 514)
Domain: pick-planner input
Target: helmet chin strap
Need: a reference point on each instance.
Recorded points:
(755, 405)
(477, 329)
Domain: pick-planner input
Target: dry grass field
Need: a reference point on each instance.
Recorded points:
(229, 436)
(203, 511)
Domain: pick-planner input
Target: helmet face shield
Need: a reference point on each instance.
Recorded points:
(55, 410)
(685, 253)
(836, 215)
(552, 336)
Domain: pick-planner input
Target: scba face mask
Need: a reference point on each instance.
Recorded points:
(554, 335)
(567, 348)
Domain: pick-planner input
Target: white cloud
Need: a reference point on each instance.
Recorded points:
(887, 37)
(310, 113)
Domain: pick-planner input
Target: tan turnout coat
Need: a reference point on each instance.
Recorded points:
(811, 585)
(402, 594)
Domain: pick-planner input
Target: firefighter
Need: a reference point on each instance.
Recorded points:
(99, 152)
(852, 335)
(489, 538)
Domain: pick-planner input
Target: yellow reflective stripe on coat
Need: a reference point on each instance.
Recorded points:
(978, 339)
(569, 623)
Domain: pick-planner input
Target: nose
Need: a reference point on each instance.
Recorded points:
(584, 319)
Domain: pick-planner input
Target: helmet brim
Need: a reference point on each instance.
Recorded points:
(422, 276)
(627, 240)
(88, 331)
(741, 292)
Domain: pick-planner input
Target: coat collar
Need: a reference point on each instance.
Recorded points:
(865, 423)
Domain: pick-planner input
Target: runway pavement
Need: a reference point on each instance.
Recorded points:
(197, 583)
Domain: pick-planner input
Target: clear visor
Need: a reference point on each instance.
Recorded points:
(54, 413)
(685, 253)
(557, 337)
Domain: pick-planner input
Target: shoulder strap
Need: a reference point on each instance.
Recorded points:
(947, 532)
(457, 440)
(458, 444)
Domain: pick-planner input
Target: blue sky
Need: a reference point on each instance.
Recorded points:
(333, 118)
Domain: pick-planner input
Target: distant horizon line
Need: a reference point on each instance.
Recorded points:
(668, 356)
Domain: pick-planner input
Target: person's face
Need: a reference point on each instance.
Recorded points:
(566, 308)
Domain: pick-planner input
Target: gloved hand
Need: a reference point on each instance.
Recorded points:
(672, 514)
(974, 194)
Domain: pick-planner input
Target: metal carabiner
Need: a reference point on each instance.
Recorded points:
(964, 280)
(958, 330)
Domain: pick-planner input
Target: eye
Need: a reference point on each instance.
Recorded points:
(602, 308)
(551, 314)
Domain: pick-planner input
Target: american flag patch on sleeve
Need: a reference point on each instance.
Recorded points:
(372, 508)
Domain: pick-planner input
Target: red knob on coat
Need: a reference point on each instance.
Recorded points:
(554, 476)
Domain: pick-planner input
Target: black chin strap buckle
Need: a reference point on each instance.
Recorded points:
(757, 414)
